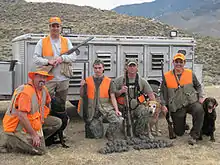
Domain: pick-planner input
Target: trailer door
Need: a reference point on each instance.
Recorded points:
(156, 54)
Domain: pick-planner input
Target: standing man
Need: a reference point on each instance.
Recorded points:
(102, 104)
(181, 93)
(27, 113)
(48, 52)
(137, 88)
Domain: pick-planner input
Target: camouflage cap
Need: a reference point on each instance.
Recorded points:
(98, 61)
(131, 61)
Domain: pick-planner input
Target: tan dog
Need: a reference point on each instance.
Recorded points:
(154, 109)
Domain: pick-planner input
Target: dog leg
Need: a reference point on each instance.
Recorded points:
(212, 138)
(158, 133)
(62, 141)
(149, 131)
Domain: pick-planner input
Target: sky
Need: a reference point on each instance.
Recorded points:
(101, 4)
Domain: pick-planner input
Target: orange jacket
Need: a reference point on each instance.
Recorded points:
(25, 99)
(186, 78)
(47, 50)
(91, 89)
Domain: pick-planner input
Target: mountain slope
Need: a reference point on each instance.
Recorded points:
(19, 17)
(192, 15)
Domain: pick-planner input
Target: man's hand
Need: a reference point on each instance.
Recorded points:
(118, 113)
(201, 100)
(123, 89)
(58, 61)
(52, 62)
(82, 83)
(164, 110)
(36, 140)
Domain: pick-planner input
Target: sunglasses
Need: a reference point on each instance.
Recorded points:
(55, 25)
(179, 62)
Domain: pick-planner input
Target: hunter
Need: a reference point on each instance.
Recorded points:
(136, 88)
(51, 51)
(102, 104)
(181, 93)
(26, 123)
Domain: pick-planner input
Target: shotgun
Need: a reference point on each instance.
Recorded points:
(48, 67)
(172, 134)
(85, 97)
(127, 114)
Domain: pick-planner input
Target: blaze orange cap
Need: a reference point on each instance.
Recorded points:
(54, 20)
(31, 75)
(179, 56)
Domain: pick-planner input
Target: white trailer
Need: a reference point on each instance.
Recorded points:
(113, 50)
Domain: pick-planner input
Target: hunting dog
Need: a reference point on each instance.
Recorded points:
(58, 111)
(154, 109)
(208, 127)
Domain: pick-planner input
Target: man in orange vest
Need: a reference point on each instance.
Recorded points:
(48, 52)
(26, 122)
(182, 93)
(137, 88)
(102, 104)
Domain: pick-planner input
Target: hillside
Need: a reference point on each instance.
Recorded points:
(198, 16)
(19, 17)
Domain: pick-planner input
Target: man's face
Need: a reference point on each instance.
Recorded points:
(39, 81)
(132, 68)
(98, 70)
(179, 64)
(55, 29)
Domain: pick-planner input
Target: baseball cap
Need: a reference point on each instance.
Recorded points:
(54, 20)
(179, 56)
(132, 61)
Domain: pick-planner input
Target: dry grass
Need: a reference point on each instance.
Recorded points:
(84, 151)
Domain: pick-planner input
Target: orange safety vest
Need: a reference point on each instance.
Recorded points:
(103, 94)
(35, 116)
(47, 50)
(121, 99)
(186, 78)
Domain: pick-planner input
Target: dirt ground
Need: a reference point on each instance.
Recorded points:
(84, 151)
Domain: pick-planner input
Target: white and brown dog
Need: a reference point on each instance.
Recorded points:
(154, 109)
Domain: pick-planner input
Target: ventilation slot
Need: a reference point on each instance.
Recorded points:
(156, 61)
(106, 58)
(131, 56)
(76, 79)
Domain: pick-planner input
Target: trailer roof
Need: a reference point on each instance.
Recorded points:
(113, 38)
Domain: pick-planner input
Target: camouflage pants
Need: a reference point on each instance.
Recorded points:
(22, 142)
(139, 118)
(108, 124)
(114, 122)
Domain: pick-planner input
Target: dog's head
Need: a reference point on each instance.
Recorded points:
(210, 104)
(153, 107)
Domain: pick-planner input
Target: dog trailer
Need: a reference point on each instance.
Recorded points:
(149, 51)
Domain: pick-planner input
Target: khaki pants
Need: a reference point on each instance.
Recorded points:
(59, 90)
(22, 142)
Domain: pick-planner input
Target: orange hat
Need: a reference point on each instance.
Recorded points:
(54, 20)
(179, 56)
(31, 75)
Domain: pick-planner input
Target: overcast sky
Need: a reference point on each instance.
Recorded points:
(102, 4)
